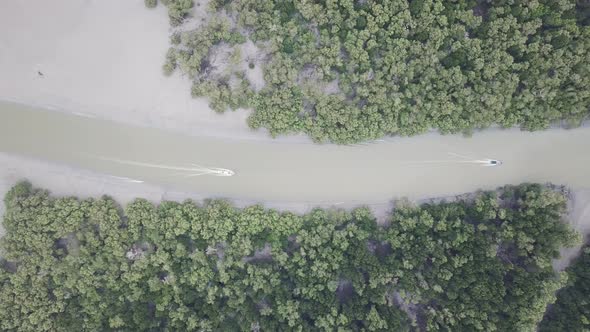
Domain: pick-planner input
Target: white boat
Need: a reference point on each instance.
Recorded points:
(222, 172)
(490, 162)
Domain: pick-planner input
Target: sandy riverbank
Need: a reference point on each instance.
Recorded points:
(103, 59)
(64, 180)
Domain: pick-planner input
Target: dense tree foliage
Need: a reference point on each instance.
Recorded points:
(571, 311)
(397, 67)
(480, 263)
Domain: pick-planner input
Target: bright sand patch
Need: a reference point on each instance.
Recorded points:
(103, 58)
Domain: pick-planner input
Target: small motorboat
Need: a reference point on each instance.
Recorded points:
(490, 162)
(222, 172)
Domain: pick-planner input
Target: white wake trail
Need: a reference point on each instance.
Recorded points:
(466, 160)
(194, 171)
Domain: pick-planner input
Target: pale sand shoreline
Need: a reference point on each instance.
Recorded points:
(63, 180)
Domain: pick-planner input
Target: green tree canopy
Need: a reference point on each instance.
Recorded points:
(474, 264)
(399, 67)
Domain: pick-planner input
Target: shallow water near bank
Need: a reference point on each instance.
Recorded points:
(424, 166)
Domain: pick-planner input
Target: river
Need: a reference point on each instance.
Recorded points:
(423, 166)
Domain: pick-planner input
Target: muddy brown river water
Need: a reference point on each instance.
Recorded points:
(423, 166)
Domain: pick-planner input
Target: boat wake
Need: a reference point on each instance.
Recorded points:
(487, 162)
(126, 179)
(194, 170)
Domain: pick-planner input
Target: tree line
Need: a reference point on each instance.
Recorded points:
(478, 263)
(400, 67)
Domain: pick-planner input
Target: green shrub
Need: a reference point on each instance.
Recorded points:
(150, 3)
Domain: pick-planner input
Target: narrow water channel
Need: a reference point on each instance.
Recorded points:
(428, 165)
